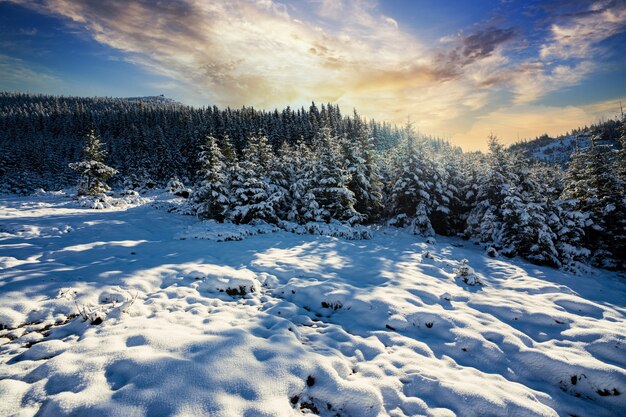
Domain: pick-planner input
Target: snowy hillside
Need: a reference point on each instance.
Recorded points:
(282, 324)
(558, 150)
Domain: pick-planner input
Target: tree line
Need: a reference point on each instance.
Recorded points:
(510, 205)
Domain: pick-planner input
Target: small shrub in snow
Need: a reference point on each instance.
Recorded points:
(241, 291)
(91, 314)
(103, 201)
(174, 185)
(491, 252)
(466, 273)
(333, 305)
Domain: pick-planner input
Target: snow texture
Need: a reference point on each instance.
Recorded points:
(283, 324)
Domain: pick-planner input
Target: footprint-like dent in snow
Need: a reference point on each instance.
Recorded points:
(137, 340)
(580, 308)
(263, 355)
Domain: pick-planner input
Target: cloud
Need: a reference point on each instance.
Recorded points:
(15, 73)
(250, 52)
(577, 35)
(267, 54)
(28, 32)
(391, 21)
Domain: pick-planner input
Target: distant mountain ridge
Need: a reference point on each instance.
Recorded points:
(558, 150)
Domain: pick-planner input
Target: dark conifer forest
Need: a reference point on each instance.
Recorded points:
(318, 165)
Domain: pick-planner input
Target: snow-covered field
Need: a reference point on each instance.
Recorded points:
(288, 324)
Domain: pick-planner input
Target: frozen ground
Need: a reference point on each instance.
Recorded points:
(333, 327)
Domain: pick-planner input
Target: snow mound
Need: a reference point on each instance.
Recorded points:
(225, 232)
(333, 229)
(243, 284)
(103, 201)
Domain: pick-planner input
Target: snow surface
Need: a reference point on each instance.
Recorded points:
(282, 324)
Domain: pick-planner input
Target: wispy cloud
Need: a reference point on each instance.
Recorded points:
(15, 73)
(577, 35)
(265, 53)
(28, 32)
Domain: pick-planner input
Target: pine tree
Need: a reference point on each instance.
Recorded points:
(421, 224)
(335, 200)
(596, 193)
(410, 192)
(484, 221)
(280, 176)
(210, 197)
(93, 172)
(304, 207)
(250, 198)
(163, 165)
(360, 161)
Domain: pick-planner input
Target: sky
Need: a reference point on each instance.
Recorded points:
(456, 69)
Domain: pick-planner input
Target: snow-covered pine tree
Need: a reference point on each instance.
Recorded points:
(421, 223)
(525, 216)
(281, 174)
(210, 196)
(569, 226)
(410, 192)
(484, 221)
(250, 198)
(93, 172)
(304, 207)
(620, 159)
(596, 193)
(445, 203)
(360, 162)
(163, 166)
(330, 184)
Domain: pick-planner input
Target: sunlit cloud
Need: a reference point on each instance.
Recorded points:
(576, 36)
(268, 54)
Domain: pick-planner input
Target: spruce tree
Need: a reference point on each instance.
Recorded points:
(250, 198)
(410, 192)
(484, 221)
(595, 191)
(210, 197)
(93, 172)
(330, 184)
(360, 161)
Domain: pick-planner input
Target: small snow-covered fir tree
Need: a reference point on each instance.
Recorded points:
(281, 174)
(421, 223)
(250, 197)
(210, 197)
(92, 170)
(410, 192)
(360, 161)
(330, 184)
(484, 221)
